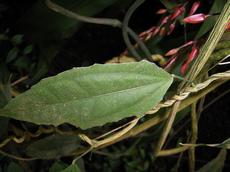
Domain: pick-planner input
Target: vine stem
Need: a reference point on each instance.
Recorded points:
(102, 21)
(125, 32)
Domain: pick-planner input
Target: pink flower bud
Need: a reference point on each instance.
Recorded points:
(172, 52)
(197, 18)
(164, 20)
(161, 11)
(195, 6)
(175, 50)
(187, 44)
(171, 28)
(143, 34)
(177, 12)
(156, 30)
(183, 68)
(193, 54)
(170, 63)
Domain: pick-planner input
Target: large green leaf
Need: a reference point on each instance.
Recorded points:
(92, 96)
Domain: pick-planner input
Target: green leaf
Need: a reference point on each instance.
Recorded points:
(28, 49)
(168, 4)
(17, 39)
(72, 168)
(215, 165)
(13, 167)
(53, 146)
(92, 96)
(12, 54)
(57, 167)
(225, 144)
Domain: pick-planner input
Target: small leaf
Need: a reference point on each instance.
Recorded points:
(72, 168)
(28, 49)
(3, 37)
(17, 39)
(215, 165)
(12, 54)
(92, 96)
(57, 167)
(13, 167)
(53, 146)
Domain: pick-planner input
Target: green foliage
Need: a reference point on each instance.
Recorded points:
(215, 165)
(13, 167)
(72, 168)
(57, 167)
(92, 96)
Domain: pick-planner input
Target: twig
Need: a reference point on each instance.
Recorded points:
(19, 80)
(16, 157)
(173, 151)
(194, 129)
(167, 128)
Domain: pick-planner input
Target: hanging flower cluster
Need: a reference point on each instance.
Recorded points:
(174, 54)
(167, 23)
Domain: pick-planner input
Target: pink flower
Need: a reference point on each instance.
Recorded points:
(175, 50)
(187, 44)
(156, 30)
(177, 12)
(171, 28)
(170, 63)
(197, 18)
(195, 6)
(161, 11)
(172, 52)
(191, 56)
(164, 20)
(183, 68)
